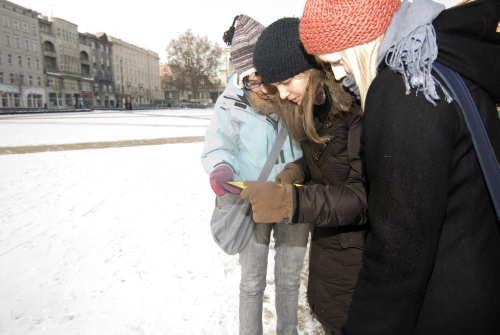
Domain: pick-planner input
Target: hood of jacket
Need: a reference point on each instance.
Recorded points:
(469, 43)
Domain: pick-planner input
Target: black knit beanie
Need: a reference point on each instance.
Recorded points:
(279, 54)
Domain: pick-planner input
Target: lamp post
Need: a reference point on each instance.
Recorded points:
(121, 74)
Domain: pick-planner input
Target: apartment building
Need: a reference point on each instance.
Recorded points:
(136, 73)
(61, 62)
(21, 72)
(101, 64)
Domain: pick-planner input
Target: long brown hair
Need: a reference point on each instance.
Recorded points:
(300, 118)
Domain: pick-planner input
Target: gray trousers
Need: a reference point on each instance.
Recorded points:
(290, 246)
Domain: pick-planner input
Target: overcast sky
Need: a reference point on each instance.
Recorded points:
(152, 24)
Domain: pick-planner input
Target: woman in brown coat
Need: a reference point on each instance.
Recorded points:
(328, 123)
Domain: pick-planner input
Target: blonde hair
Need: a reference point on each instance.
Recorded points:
(362, 61)
(300, 118)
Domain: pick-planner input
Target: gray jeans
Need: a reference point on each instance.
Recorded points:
(290, 246)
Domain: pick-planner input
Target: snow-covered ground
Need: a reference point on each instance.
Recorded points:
(116, 240)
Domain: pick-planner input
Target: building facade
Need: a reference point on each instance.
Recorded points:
(136, 73)
(21, 71)
(101, 68)
(61, 63)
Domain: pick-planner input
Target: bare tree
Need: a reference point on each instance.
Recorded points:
(193, 58)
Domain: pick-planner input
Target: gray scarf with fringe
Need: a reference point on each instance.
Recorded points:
(409, 48)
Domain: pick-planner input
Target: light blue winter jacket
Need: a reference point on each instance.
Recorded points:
(242, 139)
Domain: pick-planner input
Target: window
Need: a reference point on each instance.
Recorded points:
(60, 50)
(35, 46)
(15, 24)
(39, 81)
(21, 79)
(110, 89)
(100, 48)
(12, 78)
(37, 64)
(93, 59)
(62, 66)
(1, 77)
(107, 50)
(68, 99)
(92, 45)
(27, 44)
(107, 62)
(58, 31)
(20, 60)
(18, 42)
(25, 27)
(33, 30)
(6, 22)
(28, 61)
(54, 100)
(53, 83)
(34, 100)
(7, 40)
(31, 80)
(102, 61)
(71, 84)
(9, 58)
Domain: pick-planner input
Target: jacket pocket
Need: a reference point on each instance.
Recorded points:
(223, 203)
(353, 239)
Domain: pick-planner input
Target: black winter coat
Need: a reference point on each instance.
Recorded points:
(335, 204)
(432, 258)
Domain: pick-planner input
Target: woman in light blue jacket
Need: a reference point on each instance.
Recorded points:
(237, 144)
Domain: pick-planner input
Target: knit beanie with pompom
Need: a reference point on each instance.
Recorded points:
(279, 55)
(329, 26)
(242, 37)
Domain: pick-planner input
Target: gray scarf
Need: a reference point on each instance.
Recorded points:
(409, 48)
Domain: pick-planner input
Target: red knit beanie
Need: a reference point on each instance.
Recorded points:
(328, 26)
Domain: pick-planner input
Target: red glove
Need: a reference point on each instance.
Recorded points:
(218, 177)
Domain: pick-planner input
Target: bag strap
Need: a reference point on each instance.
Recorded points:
(482, 144)
(273, 155)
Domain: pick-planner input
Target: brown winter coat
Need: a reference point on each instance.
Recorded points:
(336, 204)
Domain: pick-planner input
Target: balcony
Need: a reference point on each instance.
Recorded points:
(49, 53)
(128, 83)
(51, 70)
(102, 77)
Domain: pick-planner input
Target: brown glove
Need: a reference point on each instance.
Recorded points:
(270, 201)
(289, 175)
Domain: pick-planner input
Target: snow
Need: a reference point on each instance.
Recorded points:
(115, 240)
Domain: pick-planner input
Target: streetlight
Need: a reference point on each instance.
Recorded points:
(121, 74)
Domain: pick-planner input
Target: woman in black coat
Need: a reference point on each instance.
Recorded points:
(432, 258)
